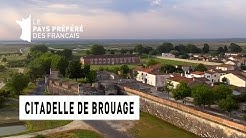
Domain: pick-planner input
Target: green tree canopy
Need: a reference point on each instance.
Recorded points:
(222, 91)
(74, 70)
(139, 48)
(201, 67)
(17, 83)
(205, 48)
(235, 48)
(97, 50)
(203, 95)
(41, 48)
(164, 48)
(228, 104)
(182, 91)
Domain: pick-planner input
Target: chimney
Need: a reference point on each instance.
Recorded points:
(193, 79)
(181, 74)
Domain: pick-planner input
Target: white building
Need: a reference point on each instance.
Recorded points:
(152, 76)
(214, 76)
(225, 67)
(236, 79)
(168, 55)
(233, 63)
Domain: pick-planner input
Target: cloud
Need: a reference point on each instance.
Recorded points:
(156, 3)
(132, 19)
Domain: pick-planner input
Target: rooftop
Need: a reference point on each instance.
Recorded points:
(110, 56)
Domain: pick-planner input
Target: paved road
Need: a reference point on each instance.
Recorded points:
(40, 90)
(106, 129)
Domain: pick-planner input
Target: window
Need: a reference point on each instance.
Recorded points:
(212, 80)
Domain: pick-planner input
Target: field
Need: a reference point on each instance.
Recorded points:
(152, 127)
(74, 134)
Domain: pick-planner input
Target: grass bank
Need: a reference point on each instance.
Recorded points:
(152, 127)
(72, 134)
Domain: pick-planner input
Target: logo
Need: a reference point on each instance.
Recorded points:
(25, 25)
(33, 29)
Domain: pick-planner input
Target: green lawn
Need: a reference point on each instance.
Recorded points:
(73, 134)
(167, 61)
(152, 127)
(34, 126)
(31, 86)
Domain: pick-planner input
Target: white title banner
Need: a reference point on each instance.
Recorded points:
(57, 107)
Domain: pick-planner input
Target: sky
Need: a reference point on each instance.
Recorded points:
(131, 19)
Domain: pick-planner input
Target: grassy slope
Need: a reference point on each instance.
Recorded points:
(75, 134)
(152, 127)
(34, 126)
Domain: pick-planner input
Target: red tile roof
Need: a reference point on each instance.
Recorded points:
(179, 79)
(198, 73)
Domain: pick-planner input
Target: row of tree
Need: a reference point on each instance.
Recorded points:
(204, 95)
(41, 61)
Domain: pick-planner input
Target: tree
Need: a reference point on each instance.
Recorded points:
(139, 49)
(201, 67)
(17, 83)
(86, 71)
(225, 49)
(147, 49)
(228, 104)
(4, 60)
(67, 53)
(202, 95)
(164, 48)
(235, 48)
(221, 91)
(97, 50)
(181, 48)
(130, 51)
(41, 48)
(111, 51)
(205, 48)
(168, 68)
(123, 51)
(182, 91)
(151, 62)
(74, 70)
(91, 77)
(59, 63)
(168, 87)
(220, 50)
(125, 69)
(192, 49)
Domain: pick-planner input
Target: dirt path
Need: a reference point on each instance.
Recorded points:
(190, 61)
(70, 126)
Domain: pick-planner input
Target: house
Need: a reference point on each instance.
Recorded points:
(233, 63)
(214, 76)
(110, 59)
(176, 79)
(168, 55)
(152, 76)
(197, 74)
(234, 78)
(225, 67)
